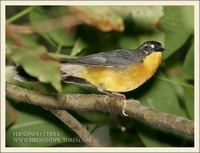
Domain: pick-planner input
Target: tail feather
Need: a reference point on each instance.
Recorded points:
(22, 76)
(75, 80)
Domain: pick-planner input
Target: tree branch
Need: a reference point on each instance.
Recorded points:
(85, 102)
(75, 125)
(72, 123)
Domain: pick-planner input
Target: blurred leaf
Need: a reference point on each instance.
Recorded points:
(165, 101)
(123, 132)
(158, 137)
(188, 17)
(34, 130)
(188, 65)
(189, 101)
(142, 26)
(146, 16)
(70, 88)
(174, 72)
(37, 63)
(50, 28)
(129, 42)
(94, 116)
(11, 114)
(161, 96)
(102, 17)
(20, 34)
(101, 133)
(9, 42)
(37, 21)
(78, 47)
(150, 137)
(146, 19)
(29, 39)
(177, 27)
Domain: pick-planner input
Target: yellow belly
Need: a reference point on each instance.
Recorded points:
(124, 79)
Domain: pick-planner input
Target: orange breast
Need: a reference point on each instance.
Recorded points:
(124, 79)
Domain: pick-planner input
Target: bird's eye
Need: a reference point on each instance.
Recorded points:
(146, 48)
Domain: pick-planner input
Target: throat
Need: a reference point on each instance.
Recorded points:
(146, 71)
(150, 64)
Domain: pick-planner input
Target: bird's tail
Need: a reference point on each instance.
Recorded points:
(22, 76)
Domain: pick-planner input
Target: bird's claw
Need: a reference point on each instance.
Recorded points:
(124, 104)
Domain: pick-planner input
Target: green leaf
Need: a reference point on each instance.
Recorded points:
(161, 96)
(188, 17)
(28, 39)
(177, 27)
(129, 42)
(37, 63)
(153, 136)
(141, 26)
(188, 65)
(11, 114)
(146, 16)
(101, 133)
(37, 21)
(35, 128)
(174, 72)
(150, 137)
(50, 27)
(94, 116)
(78, 47)
(102, 17)
(145, 20)
(189, 101)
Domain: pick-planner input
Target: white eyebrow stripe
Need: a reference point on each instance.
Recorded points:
(152, 46)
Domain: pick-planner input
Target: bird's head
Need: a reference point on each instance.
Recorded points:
(151, 46)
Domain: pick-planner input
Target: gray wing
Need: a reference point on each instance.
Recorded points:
(116, 58)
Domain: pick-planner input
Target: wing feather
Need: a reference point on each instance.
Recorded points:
(116, 58)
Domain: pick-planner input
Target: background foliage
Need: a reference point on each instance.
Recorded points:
(36, 36)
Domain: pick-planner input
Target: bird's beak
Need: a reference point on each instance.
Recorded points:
(159, 49)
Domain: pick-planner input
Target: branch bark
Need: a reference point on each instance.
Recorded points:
(75, 125)
(86, 102)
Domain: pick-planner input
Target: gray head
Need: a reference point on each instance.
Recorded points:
(151, 46)
(146, 49)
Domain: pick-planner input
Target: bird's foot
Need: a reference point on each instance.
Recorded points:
(127, 101)
(118, 96)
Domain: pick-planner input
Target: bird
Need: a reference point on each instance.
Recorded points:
(113, 72)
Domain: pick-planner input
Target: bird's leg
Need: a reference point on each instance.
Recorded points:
(118, 96)
(124, 104)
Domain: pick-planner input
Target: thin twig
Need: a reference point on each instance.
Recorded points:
(85, 102)
(75, 125)
(20, 14)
